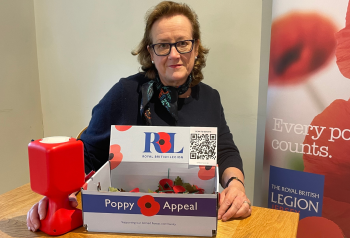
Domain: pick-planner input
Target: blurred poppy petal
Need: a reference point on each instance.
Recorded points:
(206, 172)
(301, 43)
(343, 47)
(135, 190)
(343, 52)
(347, 18)
(332, 160)
(318, 227)
(122, 128)
(115, 156)
(336, 210)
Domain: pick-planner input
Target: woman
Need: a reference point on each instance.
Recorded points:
(167, 93)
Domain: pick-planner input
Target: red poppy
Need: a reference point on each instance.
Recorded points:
(164, 142)
(149, 207)
(115, 156)
(206, 172)
(318, 227)
(301, 44)
(166, 185)
(337, 211)
(342, 51)
(331, 158)
(200, 190)
(179, 189)
(135, 190)
(122, 128)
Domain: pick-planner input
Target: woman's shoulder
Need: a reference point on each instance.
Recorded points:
(139, 78)
(207, 91)
(126, 87)
(133, 81)
(129, 84)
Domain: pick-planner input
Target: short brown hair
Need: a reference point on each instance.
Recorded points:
(167, 9)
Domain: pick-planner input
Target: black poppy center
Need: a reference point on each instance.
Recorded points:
(289, 57)
(161, 142)
(166, 186)
(111, 155)
(208, 167)
(148, 205)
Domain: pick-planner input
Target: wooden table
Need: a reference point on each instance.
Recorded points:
(263, 222)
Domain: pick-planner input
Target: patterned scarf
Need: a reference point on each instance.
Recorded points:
(168, 96)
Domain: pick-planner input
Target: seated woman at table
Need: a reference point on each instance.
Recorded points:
(168, 92)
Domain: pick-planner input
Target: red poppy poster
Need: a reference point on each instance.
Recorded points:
(308, 103)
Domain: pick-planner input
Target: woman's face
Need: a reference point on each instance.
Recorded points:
(173, 69)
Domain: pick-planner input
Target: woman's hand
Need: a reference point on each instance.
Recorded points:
(233, 201)
(38, 212)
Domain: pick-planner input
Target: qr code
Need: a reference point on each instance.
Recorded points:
(203, 146)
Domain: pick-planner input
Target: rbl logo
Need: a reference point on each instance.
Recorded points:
(162, 142)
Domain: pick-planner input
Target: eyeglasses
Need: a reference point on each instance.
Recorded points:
(163, 49)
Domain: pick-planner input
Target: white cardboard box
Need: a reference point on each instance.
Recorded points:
(137, 161)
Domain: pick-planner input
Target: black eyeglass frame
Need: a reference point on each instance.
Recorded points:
(171, 46)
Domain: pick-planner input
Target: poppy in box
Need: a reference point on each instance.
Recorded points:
(200, 190)
(179, 189)
(206, 172)
(149, 207)
(166, 185)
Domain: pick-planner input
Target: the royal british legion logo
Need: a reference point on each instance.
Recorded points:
(162, 142)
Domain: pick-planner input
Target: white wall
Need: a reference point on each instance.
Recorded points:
(84, 48)
(20, 108)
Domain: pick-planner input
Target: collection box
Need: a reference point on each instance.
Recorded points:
(140, 157)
